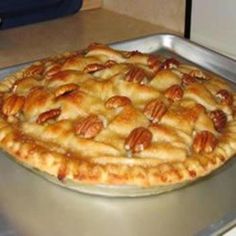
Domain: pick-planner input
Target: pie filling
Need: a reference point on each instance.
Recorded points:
(103, 116)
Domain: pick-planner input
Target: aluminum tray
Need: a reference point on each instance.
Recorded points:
(187, 210)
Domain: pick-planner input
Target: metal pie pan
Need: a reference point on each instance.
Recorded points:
(171, 44)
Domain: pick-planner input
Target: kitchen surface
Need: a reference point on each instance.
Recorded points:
(32, 206)
(31, 42)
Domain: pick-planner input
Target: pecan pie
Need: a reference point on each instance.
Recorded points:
(103, 116)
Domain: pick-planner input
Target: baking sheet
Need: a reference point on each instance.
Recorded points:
(181, 212)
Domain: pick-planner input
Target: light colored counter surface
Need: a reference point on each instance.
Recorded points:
(70, 33)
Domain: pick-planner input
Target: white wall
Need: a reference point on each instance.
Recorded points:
(214, 24)
(167, 13)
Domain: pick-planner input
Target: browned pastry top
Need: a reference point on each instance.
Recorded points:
(104, 116)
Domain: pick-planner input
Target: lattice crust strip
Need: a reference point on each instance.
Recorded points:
(104, 116)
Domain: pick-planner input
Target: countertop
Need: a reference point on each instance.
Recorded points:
(70, 33)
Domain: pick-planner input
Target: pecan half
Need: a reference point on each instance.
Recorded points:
(91, 68)
(48, 115)
(204, 141)
(34, 71)
(95, 45)
(65, 89)
(136, 75)
(117, 101)
(170, 63)
(225, 97)
(110, 63)
(219, 119)
(174, 92)
(154, 110)
(197, 74)
(187, 79)
(89, 127)
(53, 69)
(138, 140)
(13, 104)
(131, 53)
(153, 62)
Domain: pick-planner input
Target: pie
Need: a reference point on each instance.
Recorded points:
(101, 116)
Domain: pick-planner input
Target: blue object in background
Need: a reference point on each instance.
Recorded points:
(21, 12)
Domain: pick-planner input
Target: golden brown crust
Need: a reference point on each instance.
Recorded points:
(104, 116)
